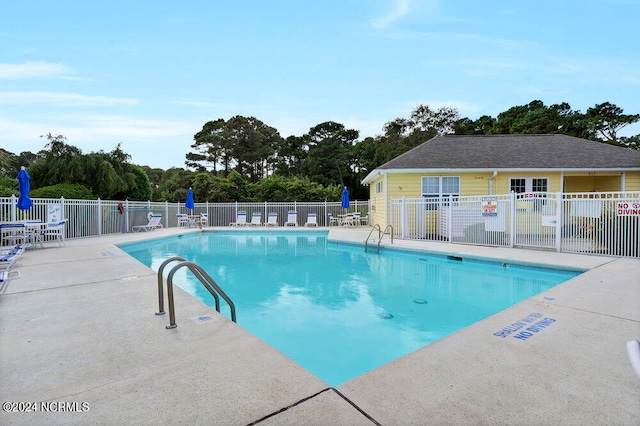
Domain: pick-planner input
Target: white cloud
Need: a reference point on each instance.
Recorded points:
(60, 99)
(399, 10)
(34, 70)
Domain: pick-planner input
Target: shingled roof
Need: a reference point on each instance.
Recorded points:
(495, 152)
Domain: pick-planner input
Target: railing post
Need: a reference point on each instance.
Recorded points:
(559, 220)
(449, 219)
(99, 217)
(14, 207)
(403, 217)
(166, 212)
(512, 219)
(126, 215)
(326, 213)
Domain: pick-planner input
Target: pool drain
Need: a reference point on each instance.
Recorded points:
(420, 301)
(385, 315)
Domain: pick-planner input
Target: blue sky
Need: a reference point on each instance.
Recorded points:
(149, 74)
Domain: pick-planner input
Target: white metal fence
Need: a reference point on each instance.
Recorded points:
(87, 218)
(606, 223)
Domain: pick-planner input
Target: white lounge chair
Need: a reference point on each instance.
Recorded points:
(333, 220)
(633, 350)
(256, 219)
(9, 259)
(292, 219)
(154, 223)
(183, 220)
(241, 219)
(312, 220)
(272, 219)
(55, 231)
(204, 219)
(6, 276)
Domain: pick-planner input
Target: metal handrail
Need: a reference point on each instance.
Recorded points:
(366, 242)
(208, 283)
(380, 235)
(160, 270)
(383, 233)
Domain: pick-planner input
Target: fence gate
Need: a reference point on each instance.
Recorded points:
(536, 220)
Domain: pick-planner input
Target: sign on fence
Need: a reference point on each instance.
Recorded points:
(628, 208)
(489, 206)
(54, 213)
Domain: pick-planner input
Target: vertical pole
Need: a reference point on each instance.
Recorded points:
(512, 219)
(99, 217)
(559, 220)
(326, 213)
(449, 218)
(14, 202)
(126, 215)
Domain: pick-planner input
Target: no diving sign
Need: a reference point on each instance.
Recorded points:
(631, 208)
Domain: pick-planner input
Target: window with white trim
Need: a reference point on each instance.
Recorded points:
(379, 187)
(528, 184)
(439, 187)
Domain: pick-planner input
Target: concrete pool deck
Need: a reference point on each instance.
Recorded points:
(79, 338)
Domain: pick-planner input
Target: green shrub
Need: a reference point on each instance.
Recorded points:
(66, 190)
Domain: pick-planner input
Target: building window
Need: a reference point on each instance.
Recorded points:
(379, 187)
(526, 185)
(437, 187)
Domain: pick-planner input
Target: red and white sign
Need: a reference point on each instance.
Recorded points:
(529, 195)
(631, 208)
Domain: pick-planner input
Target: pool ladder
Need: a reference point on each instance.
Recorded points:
(380, 235)
(201, 275)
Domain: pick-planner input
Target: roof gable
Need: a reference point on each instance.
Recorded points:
(514, 151)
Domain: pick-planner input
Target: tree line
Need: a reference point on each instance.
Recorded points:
(244, 159)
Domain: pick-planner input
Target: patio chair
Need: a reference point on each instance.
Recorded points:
(13, 233)
(272, 219)
(183, 220)
(34, 228)
(154, 223)
(348, 220)
(55, 231)
(364, 220)
(256, 219)
(292, 219)
(241, 219)
(312, 220)
(333, 220)
(204, 219)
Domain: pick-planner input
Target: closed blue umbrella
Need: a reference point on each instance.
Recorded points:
(345, 198)
(189, 201)
(24, 202)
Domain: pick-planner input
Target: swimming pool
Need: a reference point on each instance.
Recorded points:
(336, 310)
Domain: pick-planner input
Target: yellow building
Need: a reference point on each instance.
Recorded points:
(501, 164)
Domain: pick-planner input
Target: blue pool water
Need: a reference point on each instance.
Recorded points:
(336, 310)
